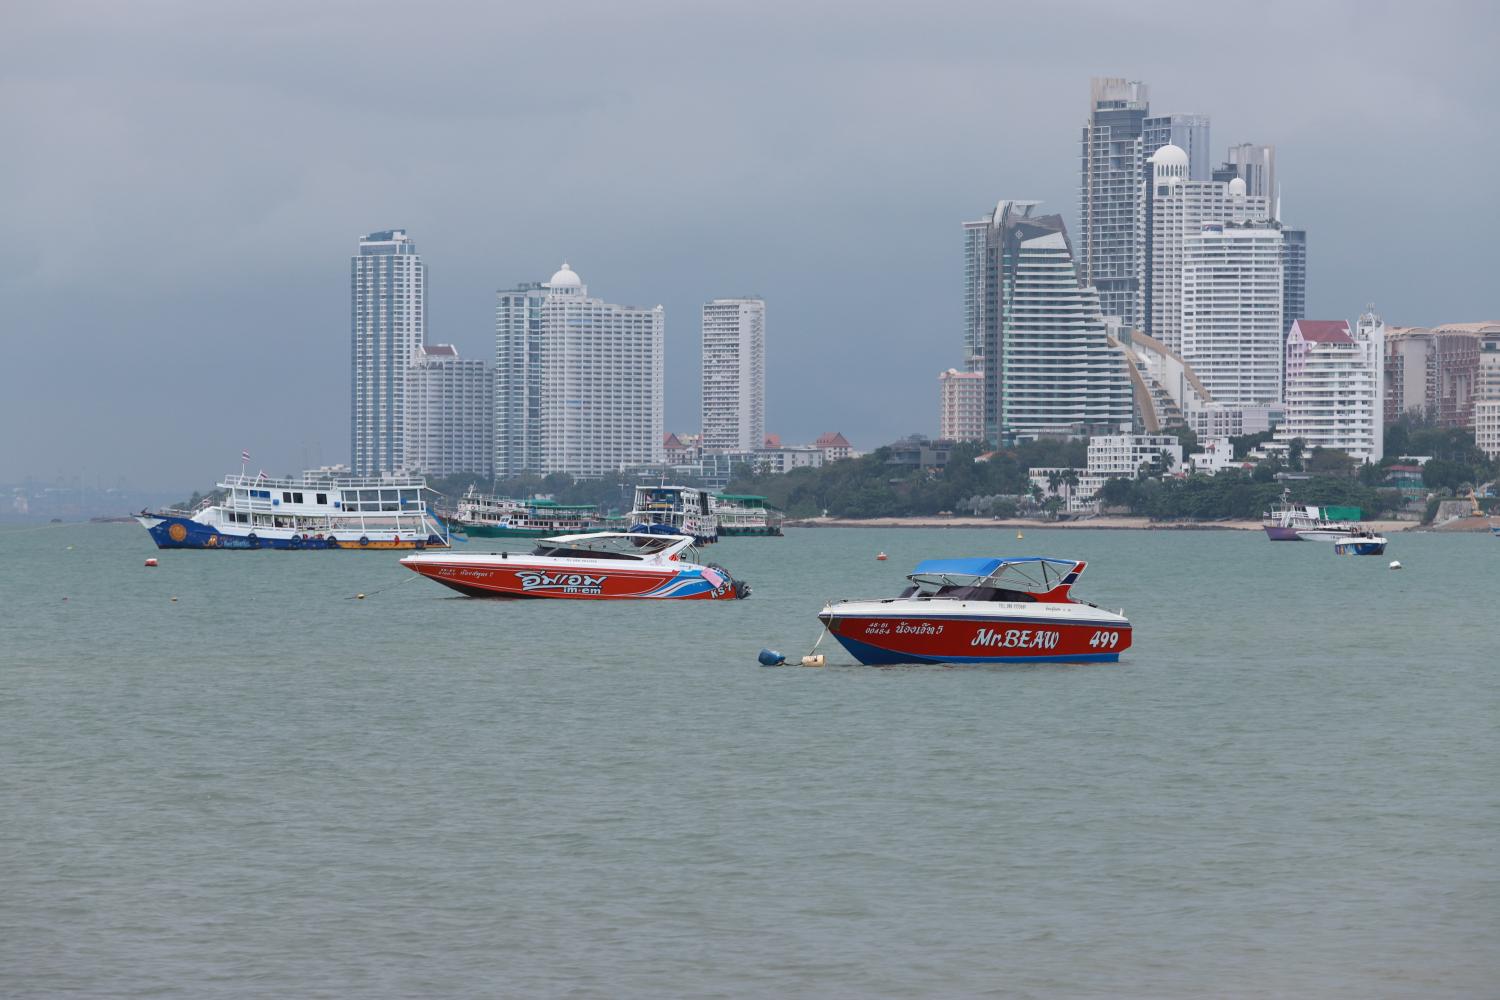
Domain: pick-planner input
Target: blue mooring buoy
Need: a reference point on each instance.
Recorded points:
(771, 658)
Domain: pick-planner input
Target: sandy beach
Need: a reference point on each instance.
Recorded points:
(1111, 521)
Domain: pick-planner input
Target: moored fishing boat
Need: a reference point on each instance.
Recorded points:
(981, 611)
(257, 512)
(598, 566)
(746, 514)
(675, 510)
(481, 516)
(1285, 519)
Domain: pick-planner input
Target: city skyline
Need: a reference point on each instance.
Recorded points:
(242, 236)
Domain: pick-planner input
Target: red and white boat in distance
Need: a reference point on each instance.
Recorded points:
(981, 611)
(597, 566)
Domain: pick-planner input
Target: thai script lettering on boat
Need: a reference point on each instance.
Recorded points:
(568, 583)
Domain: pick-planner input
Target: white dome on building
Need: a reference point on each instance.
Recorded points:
(1170, 156)
(1237, 187)
(566, 277)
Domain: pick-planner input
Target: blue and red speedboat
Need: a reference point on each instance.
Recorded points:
(1018, 610)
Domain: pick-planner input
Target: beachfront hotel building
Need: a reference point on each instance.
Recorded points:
(387, 328)
(734, 374)
(450, 414)
(1111, 196)
(961, 406)
(1334, 377)
(1179, 206)
(1231, 311)
(578, 381)
(1050, 367)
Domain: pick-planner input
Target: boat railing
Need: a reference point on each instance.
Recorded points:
(372, 482)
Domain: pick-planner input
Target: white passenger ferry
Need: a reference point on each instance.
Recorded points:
(257, 512)
(675, 510)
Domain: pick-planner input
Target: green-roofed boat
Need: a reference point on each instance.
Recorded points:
(746, 514)
(482, 516)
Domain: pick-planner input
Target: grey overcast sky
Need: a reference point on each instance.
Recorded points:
(183, 182)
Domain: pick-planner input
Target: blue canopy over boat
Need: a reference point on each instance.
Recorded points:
(1030, 573)
(980, 567)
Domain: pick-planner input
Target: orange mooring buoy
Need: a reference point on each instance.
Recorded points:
(150, 562)
(881, 556)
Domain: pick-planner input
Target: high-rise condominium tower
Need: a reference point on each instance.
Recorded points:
(734, 374)
(1050, 368)
(1231, 311)
(1334, 379)
(1294, 276)
(1188, 133)
(1111, 196)
(388, 326)
(1179, 207)
(578, 381)
(1253, 164)
(450, 413)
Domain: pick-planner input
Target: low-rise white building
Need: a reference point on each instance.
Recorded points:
(1221, 420)
(1334, 378)
(1216, 456)
(1124, 454)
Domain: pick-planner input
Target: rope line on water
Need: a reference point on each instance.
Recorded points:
(361, 597)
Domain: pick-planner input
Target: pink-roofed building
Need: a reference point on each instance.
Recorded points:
(1333, 385)
(834, 446)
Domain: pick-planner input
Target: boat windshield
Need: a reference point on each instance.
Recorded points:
(606, 546)
(970, 593)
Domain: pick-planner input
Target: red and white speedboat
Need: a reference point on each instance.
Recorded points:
(602, 565)
(980, 611)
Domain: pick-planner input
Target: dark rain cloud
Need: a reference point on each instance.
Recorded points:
(183, 184)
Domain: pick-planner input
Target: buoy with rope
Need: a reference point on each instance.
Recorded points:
(151, 562)
(881, 557)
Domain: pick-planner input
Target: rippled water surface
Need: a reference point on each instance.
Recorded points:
(1289, 787)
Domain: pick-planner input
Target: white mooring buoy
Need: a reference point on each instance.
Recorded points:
(1395, 564)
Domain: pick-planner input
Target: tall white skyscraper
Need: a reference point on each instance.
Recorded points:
(450, 413)
(388, 326)
(1256, 166)
(1112, 196)
(1049, 367)
(1179, 207)
(961, 406)
(578, 381)
(734, 374)
(1334, 378)
(1231, 311)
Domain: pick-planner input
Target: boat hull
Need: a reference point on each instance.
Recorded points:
(169, 531)
(503, 531)
(1322, 535)
(1281, 533)
(892, 639)
(518, 579)
(747, 531)
(1360, 548)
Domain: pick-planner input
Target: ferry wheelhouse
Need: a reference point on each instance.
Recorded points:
(481, 516)
(675, 510)
(981, 611)
(746, 514)
(310, 513)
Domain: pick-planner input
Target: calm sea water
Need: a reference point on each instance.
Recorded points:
(1289, 787)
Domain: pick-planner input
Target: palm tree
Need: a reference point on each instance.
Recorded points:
(1054, 480)
(1070, 480)
(1036, 494)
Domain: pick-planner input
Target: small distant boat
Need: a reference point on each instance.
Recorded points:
(981, 611)
(598, 566)
(1362, 544)
(257, 512)
(675, 510)
(481, 516)
(746, 514)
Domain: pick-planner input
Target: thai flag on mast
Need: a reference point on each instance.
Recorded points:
(244, 456)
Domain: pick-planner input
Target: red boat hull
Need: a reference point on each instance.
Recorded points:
(890, 639)
(520, 580)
